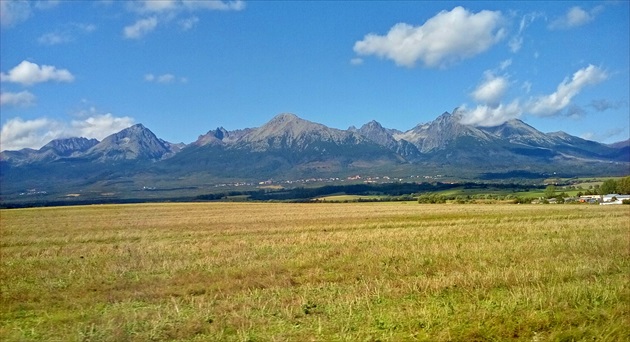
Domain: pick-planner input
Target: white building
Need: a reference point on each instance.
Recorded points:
(613, 199)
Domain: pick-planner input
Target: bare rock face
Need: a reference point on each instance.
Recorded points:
(135, 142)
(287, 131)
(69, 146)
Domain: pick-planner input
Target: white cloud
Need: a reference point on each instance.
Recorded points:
(574, 17)
(237, 5)
(65, 35)
(188, 23)
(140, 28)
(17, 133)
(23, 98)
(27, 73)
(516, 42)
(166, 78)
(156, 5)
(491, 90)
(54, 38)
(484, 115)
(356, 61)
(553, 103)
(163, 79)
(14, 12)
(492, 112)
(46, 4)
(446, 38)
(99, 126)
(164, 6)
(167, 11)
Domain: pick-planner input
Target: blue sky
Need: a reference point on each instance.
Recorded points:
(181, 68)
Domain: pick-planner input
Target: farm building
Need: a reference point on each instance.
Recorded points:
(613, 199)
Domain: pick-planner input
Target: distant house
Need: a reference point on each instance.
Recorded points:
(591, 199)
(613, 199)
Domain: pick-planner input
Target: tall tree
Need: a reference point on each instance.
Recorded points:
(608, 187)
(623, 186)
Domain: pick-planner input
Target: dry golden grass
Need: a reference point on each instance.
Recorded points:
(300, 272)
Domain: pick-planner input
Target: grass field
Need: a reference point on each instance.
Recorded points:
(315, 272)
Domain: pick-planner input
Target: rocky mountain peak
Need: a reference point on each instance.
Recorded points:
(283, 118)
(213, 137)
(375, 132)
(373, 125)
(288, 131)
(135, 142)
(68, 146)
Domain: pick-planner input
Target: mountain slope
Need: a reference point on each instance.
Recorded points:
(288, 147)
(376, 133)
(54, 150)
(133, 143)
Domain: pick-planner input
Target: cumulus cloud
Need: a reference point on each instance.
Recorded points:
(27, 73)
(488, 116)
(553, 103)
(99, 126)
(17, 133)
(491, 90)
(574, 17)
(23, 98)
(446, 38)
(140, 28)
(492, 112)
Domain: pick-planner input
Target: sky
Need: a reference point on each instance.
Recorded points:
(182, 67)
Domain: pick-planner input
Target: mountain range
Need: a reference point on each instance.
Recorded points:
(288, 147)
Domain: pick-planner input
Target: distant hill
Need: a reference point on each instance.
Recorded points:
(288, 147)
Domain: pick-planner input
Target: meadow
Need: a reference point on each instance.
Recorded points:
(398, 271)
